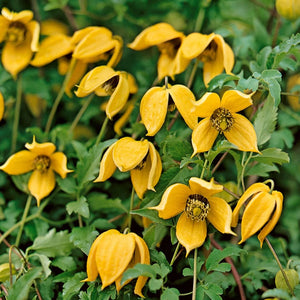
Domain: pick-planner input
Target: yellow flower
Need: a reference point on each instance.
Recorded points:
(21, 35)
(112, 253)
(197, 204)
(1, 106)
(294, 101)
(262, 211)
(43, 161)
(53, 27)
(289, 9)
(220, 116)
(168, 41)
(35, 104)
(212, 50)
(157, 100)
(138, 157)
(104, 81)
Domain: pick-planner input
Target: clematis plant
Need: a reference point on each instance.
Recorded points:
(1, 106)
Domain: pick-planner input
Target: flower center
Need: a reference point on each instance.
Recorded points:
(197, 207)
(170, 47)
(209, 53)
(110, 85)
(222, 119)
(16, 33)
(142, 164)
(42, 163)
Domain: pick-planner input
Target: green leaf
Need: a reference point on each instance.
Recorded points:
(55, 4)
(45, 262)
(176, 147)
(138, 270)
(278, 293)
(68, 184)
(80, 207)
(282, 138)
(220, 80)
(65, 263)
(271, 156)
(100, 202)
(261, 170)
(103, 224)
(20, 289)
(21, 182)
(155, 284)
(213, 291)
(73, 285)
(170, 293)
(261, 60)
(152, 215)
(154, 234)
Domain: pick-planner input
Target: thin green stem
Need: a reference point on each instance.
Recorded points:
(59, 96)
(16, 116)
(131, 208)
(193, 73)
(195, 274)
(244, 165)
(102, 131)
(200, 19)
(25, 213)
(204, 168)
(280, 266)
(175, 254)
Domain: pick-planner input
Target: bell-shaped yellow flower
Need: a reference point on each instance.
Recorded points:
(220, 116)
(168, 41)
(138, 157)
(104, 81)
(53, 27)
(197, 204)
(157, 100)
(262, 211)
(112, 253)
(43, 161)
(212, 50)
(1, 106)
(20, 34)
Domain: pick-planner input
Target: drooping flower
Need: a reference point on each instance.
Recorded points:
(212, 50)
(1, 106)
(292, 82)
(112, 253)
(197, 205)
(20, 34)
(220, 116)
(157, 100)
(262, 211)
(139, 157)
(42, 159)
(104, 81)
(35, 104)
(168, 41)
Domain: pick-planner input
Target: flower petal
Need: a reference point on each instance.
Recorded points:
(23, 16)
(41, 148)
(190, 234)
(208, 103)
(41, 184)
(228, 58)
(274, 219)
(59, 164)
(128, 153)
(203, 187)
(257, 213)
(235, 101)
(19, 163)
(165, 66)
(203, 136)
(117, 52)
(34, 28)
(1, 106)
(220, 214)
(242, 134)
(4, 23)
(173, 201)
(156, 167)
(153, 109)
(53, 26)
(121, 122)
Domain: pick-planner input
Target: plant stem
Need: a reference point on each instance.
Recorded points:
(244, 165)
(204, 168)
(16, 115)
(175, 254)
(219, 162)
(130, 208)
(102, 131)
(195, 274)
(280, 266)
(60, 95)
(25, 213)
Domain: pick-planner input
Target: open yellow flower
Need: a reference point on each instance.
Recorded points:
(20, 34)
(1, 106)
(168, 41)
(262, 211)
(43, 161)
(212, 50)
(220, 116)
(104, 81)
(196, 203)
(112, 253)
(138, 157)
(157, 100)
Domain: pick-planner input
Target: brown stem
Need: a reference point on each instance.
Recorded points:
(219, 162)
(276, 31)
(69, 15)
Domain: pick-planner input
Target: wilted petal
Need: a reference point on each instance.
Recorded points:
(242, 134)
(235, 101)
(208, 103)
(59, 164)
(41, 148)
(23, 16)
(190, 234)
(204, 188)
(1, 106)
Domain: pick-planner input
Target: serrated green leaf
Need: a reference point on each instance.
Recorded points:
(103, 224)
(176, 147)
(73, 285)
(275, 89)
(21, 182)
(213, 292)
(139, 270)
(282, 138)
(152, 215)
(45, 262)
(65, 263)
(100, 202)
(261, 170)
(278, 293)
(271, 156)
(170, 293)
(155, 284)
(80, 207)
(222, 267)
(220, 80)
(68, 184)
(261, 60)
(154, 234)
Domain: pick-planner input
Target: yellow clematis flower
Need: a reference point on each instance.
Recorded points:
(112, 253)
(1, 106)
(261, 213)
(53, 27)
(196, 203)
(104, 81)
(138, 157)
(20, 34)
(168, 41)
(212, 50)
(43, 161)
(220, 116)
(157, 100)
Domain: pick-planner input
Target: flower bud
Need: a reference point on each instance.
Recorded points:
(5, 272)
(292, 276)
(289, 9)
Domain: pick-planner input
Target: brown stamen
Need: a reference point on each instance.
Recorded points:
(222, 119)
(16, 33)
(197, 207)
(42, 163)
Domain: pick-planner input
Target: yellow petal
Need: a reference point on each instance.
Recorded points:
(59, 164)
(117, 52)
(114, 253)
(153, 109)
(208, 103)
(51, 48)
(1, 106)
(252, 190)
(41, 148)
(35, 104)
(180, 62)
(53, 27)
(173, 201)
(274, 219)
(34, 28)
(41, 184)
(257, 213)
(128, 153)
(81, 34)
(165, 66)
(185, 102)
(190, 234)
(121, 122)
(156, 167)
(204, 188)
(242, 134)
(220, 214)
(203, 136)
(228, 58)
(107, 165)
(19, 163)
(23, 16)
(4, 23)
(133, 87)
(235, 101)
